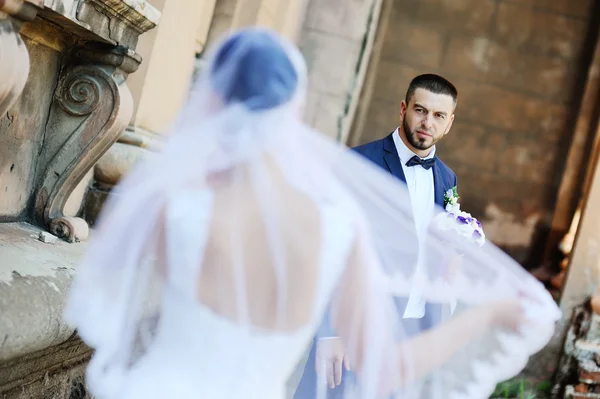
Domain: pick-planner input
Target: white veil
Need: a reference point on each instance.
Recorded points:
(272, 175)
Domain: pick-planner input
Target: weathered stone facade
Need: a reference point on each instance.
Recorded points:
(72, 109)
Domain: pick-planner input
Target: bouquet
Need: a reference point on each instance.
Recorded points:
(459, 222)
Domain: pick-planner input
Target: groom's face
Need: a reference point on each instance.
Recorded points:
(426, 118)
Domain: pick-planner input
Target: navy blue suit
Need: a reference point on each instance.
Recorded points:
(384, 154)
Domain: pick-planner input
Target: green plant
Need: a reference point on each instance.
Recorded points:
(521, 389)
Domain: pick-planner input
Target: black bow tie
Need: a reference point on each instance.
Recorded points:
(425, 163)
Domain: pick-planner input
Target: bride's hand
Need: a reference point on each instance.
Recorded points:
(508, 315)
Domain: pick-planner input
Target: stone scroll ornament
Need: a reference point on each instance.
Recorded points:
(91, 107)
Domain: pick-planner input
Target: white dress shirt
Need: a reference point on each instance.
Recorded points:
(420, 185)
(422, 198)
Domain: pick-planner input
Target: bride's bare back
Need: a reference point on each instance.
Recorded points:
(241, 263)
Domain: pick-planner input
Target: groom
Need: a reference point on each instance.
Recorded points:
(408, 153)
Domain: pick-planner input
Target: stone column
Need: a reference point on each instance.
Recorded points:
(336, 40)
(283, 16)
(574, 181)
(582, 279)
(291, 18)
(583, 273)
(221, 21)
(164, 86)
(206, 18)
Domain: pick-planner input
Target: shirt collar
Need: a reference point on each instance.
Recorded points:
(404, 152)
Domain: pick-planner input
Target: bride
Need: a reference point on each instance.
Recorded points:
(215, 261)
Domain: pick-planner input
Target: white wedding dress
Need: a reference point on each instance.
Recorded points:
(197, 353)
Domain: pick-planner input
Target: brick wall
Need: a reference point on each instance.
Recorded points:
(518, 66)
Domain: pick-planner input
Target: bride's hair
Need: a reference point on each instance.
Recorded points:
(252, 68)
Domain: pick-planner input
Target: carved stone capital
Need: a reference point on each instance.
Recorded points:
(92, 106)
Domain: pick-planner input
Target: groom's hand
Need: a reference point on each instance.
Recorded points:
(330, 358)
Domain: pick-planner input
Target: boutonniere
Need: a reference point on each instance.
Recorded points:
(451, 199)
(460, 222)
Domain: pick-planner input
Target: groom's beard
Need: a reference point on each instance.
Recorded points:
(414, 140)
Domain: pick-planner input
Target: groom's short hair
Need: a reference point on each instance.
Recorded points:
(433, 83)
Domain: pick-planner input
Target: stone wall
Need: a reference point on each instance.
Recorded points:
(518, 66)
(333, 40)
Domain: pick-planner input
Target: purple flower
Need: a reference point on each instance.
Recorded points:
(463, 220)
(477, 234)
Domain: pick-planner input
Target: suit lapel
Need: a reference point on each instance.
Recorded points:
(438, 185)
(391, 158)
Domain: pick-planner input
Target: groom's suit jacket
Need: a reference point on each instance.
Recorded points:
(383, 153)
